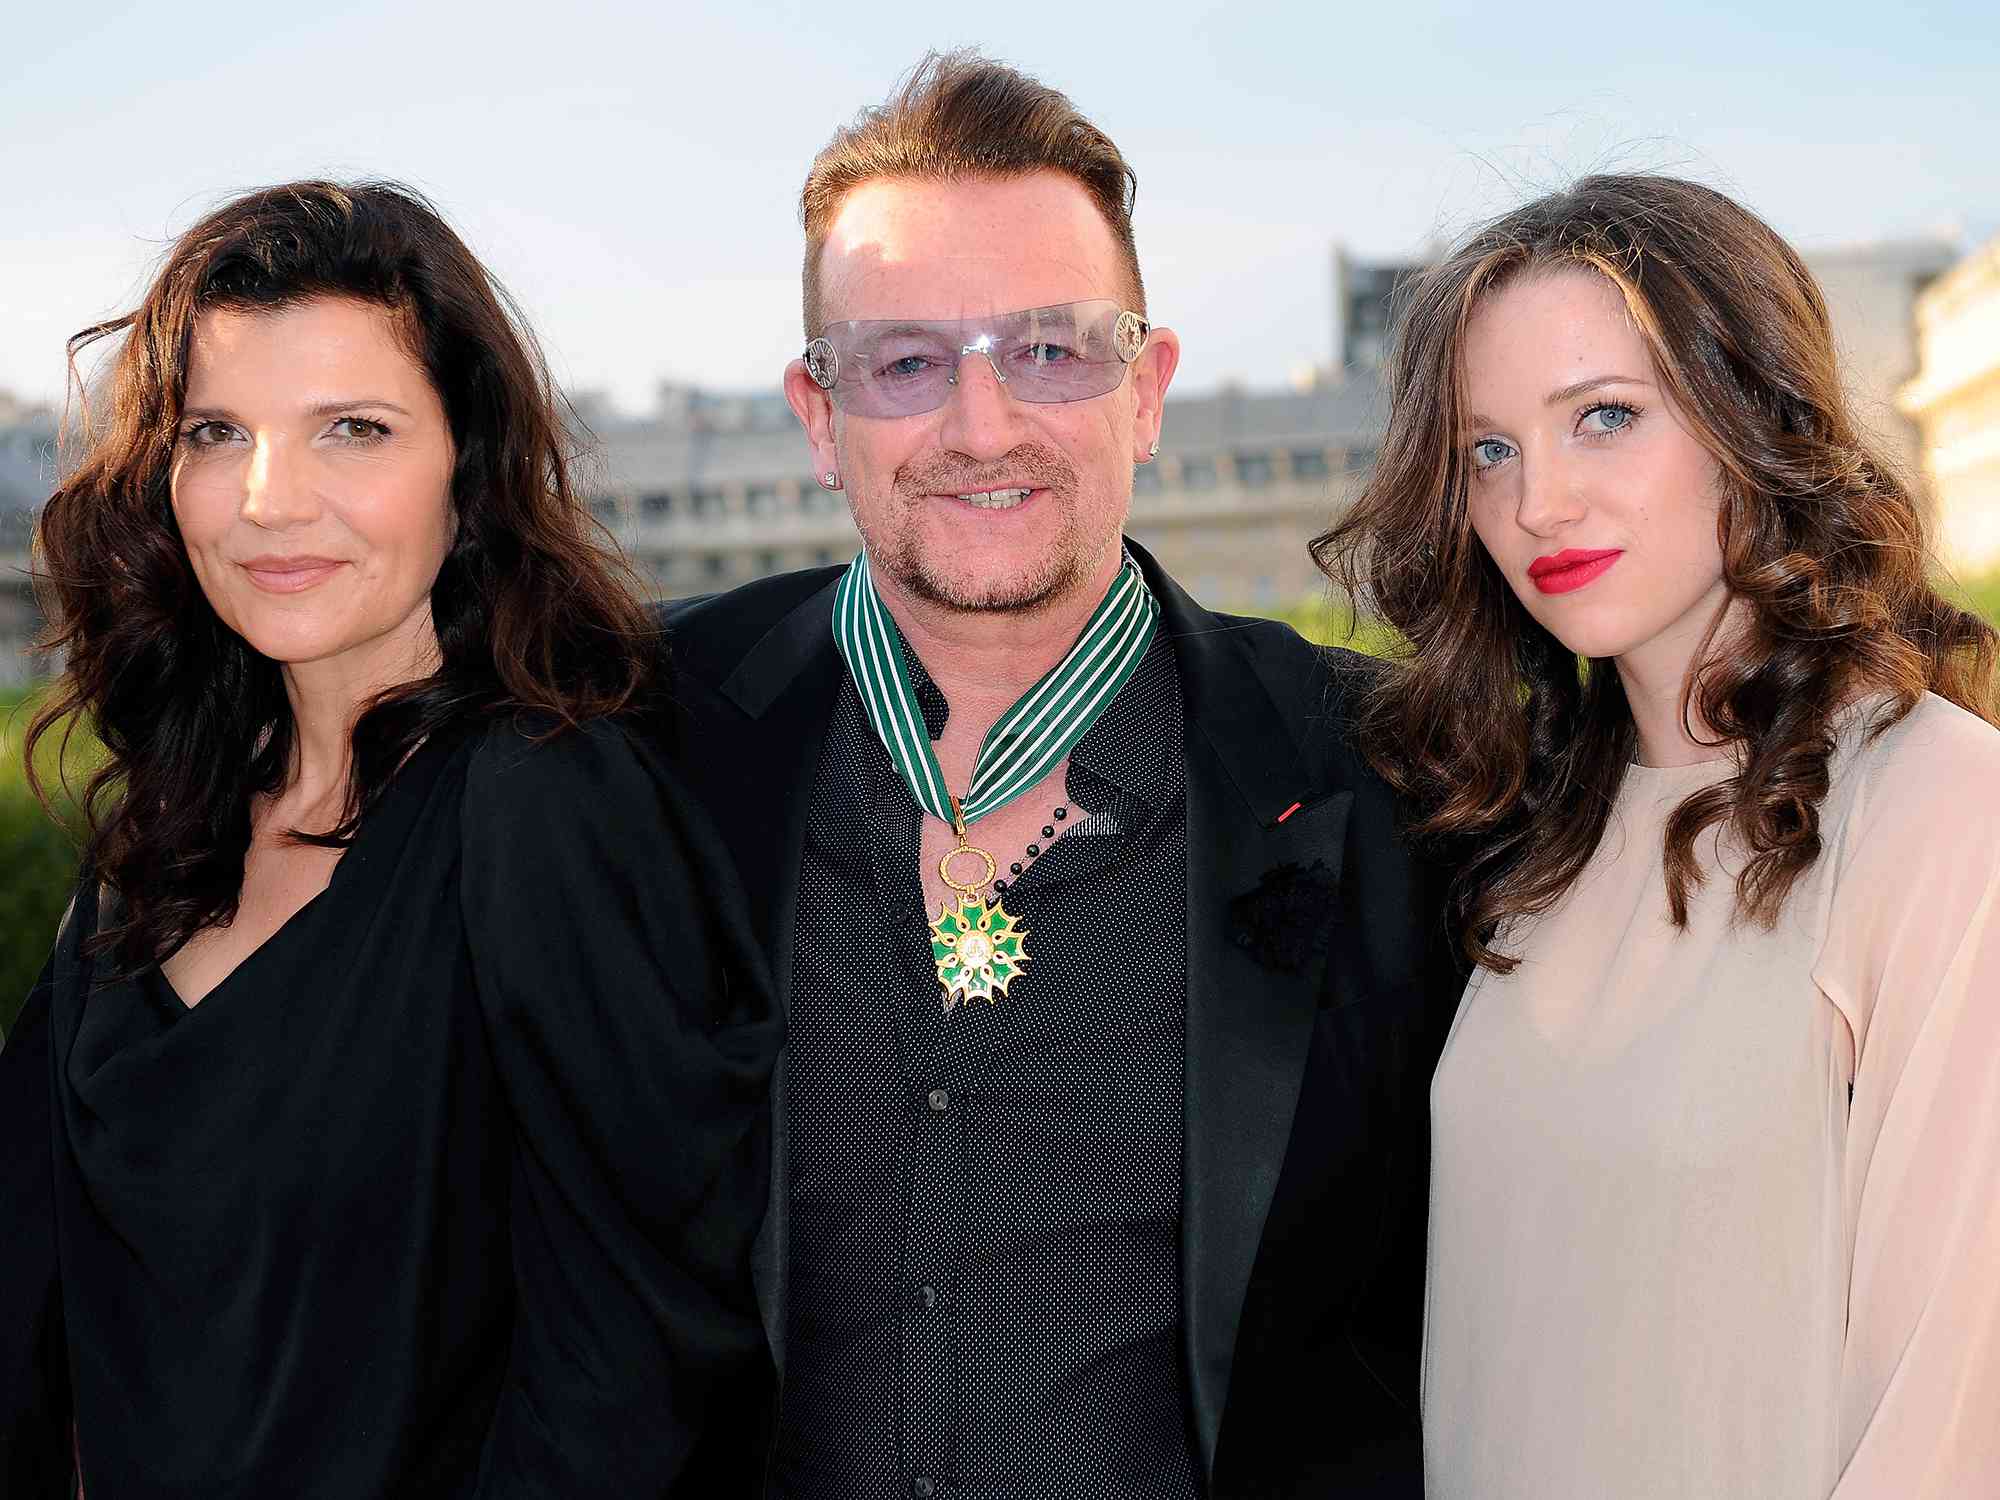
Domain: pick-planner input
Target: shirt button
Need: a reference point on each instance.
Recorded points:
(922, 1488)
(929, 1294)
(940, 1102)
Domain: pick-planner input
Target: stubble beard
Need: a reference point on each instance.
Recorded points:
(1041, 579)
(1038, 581)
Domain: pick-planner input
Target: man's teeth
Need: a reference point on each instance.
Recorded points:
(997, 499)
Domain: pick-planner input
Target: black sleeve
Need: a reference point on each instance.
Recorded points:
(634, 1032)
(35, 1446)
(1398, 916)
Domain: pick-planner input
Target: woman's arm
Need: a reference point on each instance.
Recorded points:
(36, 1451)
(1913, 960)
(634, 1032)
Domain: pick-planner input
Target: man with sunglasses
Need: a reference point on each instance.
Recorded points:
(1111, 994)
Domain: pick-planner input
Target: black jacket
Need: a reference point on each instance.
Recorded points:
(1320, 984)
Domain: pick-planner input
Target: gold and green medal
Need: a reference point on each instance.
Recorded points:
(976, 945)
(978, 948)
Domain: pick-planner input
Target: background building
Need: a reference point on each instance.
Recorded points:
(1871, 294)
(1955, 400)
(1364, 308)
(713, 489)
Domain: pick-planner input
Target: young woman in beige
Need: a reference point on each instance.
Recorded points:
(1716, 1137)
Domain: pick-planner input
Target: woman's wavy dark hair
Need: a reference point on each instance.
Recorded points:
(531, 613)
(1510, 748)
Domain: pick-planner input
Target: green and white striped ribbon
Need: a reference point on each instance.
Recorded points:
(1032, 737)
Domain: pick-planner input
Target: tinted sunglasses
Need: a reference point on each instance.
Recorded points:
(901, 367)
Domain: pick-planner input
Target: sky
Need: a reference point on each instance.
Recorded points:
(630, 170)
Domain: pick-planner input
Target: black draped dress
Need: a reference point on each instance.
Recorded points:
(448, 1189)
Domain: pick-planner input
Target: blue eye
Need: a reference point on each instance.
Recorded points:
(906, 368)
(1048, 354)
(1488, 452)
(1607, 417)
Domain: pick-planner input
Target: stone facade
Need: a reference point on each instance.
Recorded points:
(1872, 293)
(1955, 399)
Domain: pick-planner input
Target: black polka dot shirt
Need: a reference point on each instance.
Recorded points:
(985, 1266)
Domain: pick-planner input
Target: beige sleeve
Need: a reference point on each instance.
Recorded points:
(1913, 960)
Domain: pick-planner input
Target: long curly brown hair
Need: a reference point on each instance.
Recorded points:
(1512, 749)
(531, 613)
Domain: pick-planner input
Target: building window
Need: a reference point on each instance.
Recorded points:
(657, 507)
(1253, 470)
(1309, 463)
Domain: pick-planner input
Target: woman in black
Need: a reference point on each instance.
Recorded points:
(390, 1117)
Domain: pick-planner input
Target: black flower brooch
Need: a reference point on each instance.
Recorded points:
(1288, 920)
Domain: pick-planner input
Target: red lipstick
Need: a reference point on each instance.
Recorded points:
(1572, 568)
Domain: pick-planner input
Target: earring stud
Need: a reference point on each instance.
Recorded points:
(830, 479)
(1154, 451)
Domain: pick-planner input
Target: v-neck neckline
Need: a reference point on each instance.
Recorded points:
(274, 940)
(281, 937)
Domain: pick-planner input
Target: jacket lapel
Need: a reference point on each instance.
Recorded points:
(1249, 1026)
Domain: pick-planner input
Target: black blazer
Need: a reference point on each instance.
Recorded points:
(1319, 985)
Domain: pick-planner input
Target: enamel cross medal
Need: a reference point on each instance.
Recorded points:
(977, 946)
(975, 943)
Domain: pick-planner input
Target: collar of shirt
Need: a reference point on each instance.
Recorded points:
(1129, 748)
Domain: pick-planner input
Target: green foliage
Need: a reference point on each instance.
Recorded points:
(1983, 595)
(37, 867)
(1330, 621)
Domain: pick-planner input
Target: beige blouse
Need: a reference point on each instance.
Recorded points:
(1716, 1214)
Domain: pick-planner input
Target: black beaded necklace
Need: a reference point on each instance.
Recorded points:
(1016, 869)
